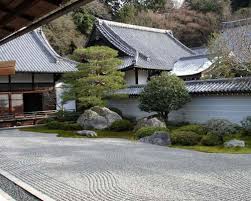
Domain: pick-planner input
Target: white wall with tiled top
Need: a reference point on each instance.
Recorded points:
(199, 110)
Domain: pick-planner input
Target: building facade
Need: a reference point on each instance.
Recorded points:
(37, 69)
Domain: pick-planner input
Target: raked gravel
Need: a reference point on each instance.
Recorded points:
(68, 169)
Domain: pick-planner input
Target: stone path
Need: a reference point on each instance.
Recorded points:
(119, 170)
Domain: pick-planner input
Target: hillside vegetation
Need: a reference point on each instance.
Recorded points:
(193, 23)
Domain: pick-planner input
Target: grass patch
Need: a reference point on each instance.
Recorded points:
(222, 149)
(216, 149)
(70, 134)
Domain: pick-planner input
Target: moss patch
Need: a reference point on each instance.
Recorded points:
(61, 133)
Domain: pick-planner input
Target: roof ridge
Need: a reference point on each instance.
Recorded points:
(236, 23)
(42, 38)
(194, 56)
(124, 42)
(137, 27)
(219, 80)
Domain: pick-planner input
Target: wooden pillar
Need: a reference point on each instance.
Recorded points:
(33, 81)
(136, 76)
(9, 94)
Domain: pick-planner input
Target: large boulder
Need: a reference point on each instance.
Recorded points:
(98, 118)
(161, 138)
(149, 122)
(234, 143)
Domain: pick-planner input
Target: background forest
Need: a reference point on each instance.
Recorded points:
(192, 21)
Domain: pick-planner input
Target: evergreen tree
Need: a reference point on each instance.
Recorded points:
(97, 76)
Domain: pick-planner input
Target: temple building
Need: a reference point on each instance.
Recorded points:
(146, 52)
(29, 71)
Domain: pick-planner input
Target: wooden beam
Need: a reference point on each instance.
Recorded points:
(7, 67)
(46, 19)
(9, 11)
(9, 17)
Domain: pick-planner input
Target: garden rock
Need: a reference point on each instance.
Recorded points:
(161, 138)
(152, 122)
(97, 118)
(87, 133)
(234, 143)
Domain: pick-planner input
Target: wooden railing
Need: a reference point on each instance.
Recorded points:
(28, 118)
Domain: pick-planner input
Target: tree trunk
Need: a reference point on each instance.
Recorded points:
(164, 117)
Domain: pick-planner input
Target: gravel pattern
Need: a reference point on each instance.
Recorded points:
(68, 169)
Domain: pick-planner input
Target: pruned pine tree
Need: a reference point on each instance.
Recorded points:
(97, 76)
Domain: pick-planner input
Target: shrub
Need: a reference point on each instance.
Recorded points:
(246, 125)
(220, 127)
(211, 140)
(71, 127)
(121, 125)
(55, 125)
(185, 138)
(199, 129)
(147, 131)
(67, 116)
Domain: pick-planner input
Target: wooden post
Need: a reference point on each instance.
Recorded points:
(136, 76)
(33, 81)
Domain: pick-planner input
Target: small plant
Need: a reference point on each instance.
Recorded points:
(220, 127)
(121, 125)
(199, 129)
(185, 138)
(147, 131)
(211, 140)
(246, 125)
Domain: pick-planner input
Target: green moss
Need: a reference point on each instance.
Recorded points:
(70, 134)
(217, 149)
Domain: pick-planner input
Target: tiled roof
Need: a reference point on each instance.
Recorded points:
(213, 86)
(237, 36)
(33, 53)
(191, 65)
(145, 47)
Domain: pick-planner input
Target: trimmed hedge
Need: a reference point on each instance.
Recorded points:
(185, 138)
(121, 125)
(147, 131)
(199, 129)
(211, 140)
(220, 127)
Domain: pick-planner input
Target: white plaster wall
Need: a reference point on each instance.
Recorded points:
(199, 110)
(129, 107)
(130, 77)
(43, 78)
(21, 78)
(142, 76)
(68, 106)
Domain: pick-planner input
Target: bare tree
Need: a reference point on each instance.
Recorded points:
(231, 50)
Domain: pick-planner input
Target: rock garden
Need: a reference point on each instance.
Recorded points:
(216, 135)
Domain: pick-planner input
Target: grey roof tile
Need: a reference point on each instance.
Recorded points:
(212, 86)
(191, 65)
(156, 48)
(33, 53)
